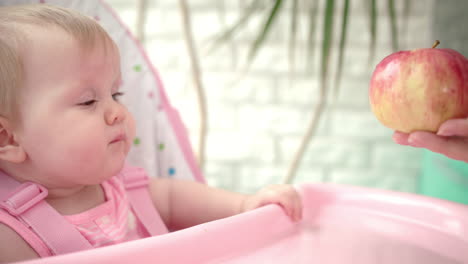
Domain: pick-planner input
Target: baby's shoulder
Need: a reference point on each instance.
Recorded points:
(13, 247)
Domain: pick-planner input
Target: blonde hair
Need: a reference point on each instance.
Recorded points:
(13, 38)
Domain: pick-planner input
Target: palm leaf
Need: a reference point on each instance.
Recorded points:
(326, 44)
(293, 36)
(373, 28)
(228, 34)
(406, 13)
(311, 34)
(275, 7)
(319, 108)
(344, 25)
(393, 24)
(265, 30)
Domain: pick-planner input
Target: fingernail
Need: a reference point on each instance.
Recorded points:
(413, 142)
(444, 133)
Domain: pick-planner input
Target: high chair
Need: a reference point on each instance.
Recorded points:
(340, 224)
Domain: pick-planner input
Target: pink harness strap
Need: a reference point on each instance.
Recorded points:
(27, 234)
(25, 201)
(136, 182)
(23, 208)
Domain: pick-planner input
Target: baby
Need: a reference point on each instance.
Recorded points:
(62, 126)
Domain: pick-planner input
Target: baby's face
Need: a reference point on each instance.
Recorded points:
(73, 128)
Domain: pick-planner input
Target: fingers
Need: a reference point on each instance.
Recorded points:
(400, 138)
(423, 139)
(456, 149)
(297, 208)
(284, 195)
(454, 127)
(287, 202)
(452, 147)
(291, 202)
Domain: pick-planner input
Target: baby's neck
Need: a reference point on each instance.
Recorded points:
(81, 200)
(66, 200)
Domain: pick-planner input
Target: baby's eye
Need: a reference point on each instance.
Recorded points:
(116, 96)
(88, 103)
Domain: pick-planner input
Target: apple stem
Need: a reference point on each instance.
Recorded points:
(436, 43)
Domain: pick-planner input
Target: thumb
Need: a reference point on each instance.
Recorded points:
(454, 127)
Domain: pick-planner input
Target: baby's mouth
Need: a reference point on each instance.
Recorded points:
(118, 138)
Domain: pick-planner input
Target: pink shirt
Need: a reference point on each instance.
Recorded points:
(109, 223)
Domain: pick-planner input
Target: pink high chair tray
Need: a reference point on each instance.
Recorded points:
(340, 225)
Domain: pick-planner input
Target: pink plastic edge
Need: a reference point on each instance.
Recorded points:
(229, 238)
(174, 118)
(413, 210)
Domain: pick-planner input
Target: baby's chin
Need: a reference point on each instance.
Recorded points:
(107, 171)
(115, 168)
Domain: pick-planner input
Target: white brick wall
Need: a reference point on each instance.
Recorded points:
(257, 119)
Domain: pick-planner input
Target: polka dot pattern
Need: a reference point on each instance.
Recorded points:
(157, 147)
(137, 68)
(171, 171)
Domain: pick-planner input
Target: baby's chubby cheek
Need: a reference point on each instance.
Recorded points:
(131, 131)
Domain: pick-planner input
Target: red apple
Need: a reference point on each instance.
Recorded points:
(420, 89)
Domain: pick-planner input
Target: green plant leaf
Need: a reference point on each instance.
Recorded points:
(373, 28)
(326, 44)
(406, 13)
(393, 24)
(319, 108)
(313, 10)
(293, 35)
(228, 34)
(266, 28)
(344, 25)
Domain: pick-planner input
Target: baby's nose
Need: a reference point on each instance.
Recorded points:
(114, 114)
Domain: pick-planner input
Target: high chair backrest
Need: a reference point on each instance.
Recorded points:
(161, 146)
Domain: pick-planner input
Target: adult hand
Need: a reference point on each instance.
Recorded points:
(450, 140)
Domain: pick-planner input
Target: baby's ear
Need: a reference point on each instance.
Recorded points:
(10, 150)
